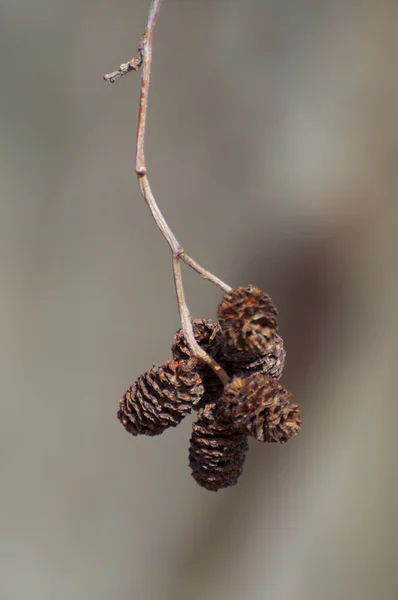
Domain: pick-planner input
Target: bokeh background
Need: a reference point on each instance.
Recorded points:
(272, 149)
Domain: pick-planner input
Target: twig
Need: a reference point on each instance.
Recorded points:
(133, 65)
(205, 274)
(174, 244)
(186, 324)
(143, 58)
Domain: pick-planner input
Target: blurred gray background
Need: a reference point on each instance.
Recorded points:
(272, 149)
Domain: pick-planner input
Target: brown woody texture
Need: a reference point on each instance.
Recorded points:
(208, 335)
(248, 321)
(270, 364)
(217, 451)
(259, 406)
(161, 397)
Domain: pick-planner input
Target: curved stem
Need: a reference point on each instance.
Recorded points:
(143, 59)
(159, 219)
(186, 324)
(172, 241)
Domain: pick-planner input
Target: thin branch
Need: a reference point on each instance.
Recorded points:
(147, 43)
(205, 274)
(159, 219)
(143, 59)
(175, 246)
(186, 324)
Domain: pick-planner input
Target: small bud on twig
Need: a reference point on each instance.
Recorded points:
(133, 65)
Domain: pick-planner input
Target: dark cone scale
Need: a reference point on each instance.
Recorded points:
(208, 335)
(259, 406)
(248, 321)
(270, 364)
(217, 453)
(161, 397)
(276, 360)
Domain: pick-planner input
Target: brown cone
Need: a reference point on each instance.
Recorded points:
(259, 406)
(161, 397)
(216, 453)
(248, 321)
(208, 335)
(270, 364)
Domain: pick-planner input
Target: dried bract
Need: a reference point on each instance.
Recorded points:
(161, 397)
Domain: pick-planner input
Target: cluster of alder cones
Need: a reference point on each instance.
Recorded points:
(245, 342)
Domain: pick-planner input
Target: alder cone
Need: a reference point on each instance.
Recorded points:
(217, 452)
(161, 397)
(248, 321)
(208, 335)
(259, 406)
(270, 364)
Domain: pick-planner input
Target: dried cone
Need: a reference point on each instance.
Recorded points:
(248, 321)
(275, 361)
(161, 397)
(259, 406)
(270, 364)
(217, 453)
(208, 335)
